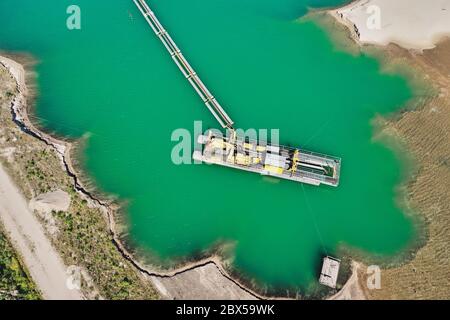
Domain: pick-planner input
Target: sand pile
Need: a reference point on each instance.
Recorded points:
(51, 201)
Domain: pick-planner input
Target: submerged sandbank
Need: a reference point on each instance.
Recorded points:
(425, 131)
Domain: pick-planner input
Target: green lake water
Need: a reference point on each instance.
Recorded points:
(114, 80)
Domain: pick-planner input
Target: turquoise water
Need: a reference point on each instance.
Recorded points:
(114, 80)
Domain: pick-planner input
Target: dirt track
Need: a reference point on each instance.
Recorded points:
(27, 235)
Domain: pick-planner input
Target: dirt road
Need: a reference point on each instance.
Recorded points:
(28, 237)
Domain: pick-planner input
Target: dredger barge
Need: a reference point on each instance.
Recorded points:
(266, 159)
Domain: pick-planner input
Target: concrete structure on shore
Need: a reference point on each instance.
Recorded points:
(330, 271)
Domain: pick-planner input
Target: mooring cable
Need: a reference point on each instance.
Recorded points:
(311, 213)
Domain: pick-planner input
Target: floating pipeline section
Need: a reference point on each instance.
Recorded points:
(214, 107)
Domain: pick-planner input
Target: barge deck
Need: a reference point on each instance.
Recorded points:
(268, 159)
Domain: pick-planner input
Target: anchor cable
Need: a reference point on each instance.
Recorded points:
(313, 217)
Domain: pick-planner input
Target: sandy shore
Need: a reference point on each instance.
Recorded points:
(412, 24)
(352, 289)
(42, 260)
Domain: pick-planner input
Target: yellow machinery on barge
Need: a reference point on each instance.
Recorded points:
(268, 159)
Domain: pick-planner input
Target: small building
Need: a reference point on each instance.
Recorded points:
(330, 271)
